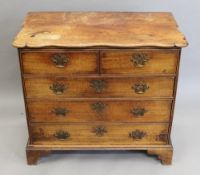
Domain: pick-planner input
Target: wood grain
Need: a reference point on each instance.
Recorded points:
(78, 62)
(120, 61)
(115, 87)
(83, 134)
(113, 111)
(163, 154)
(89, 29)
(33, 155)
(99, 85)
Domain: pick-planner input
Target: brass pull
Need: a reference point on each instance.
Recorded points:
(60, 111)
(60, 60)
(140, 88)
(98, 107)
(98, 85)
(58, 88)
(163, 137)
(99, 131)
(61, 135)
(138, 112)
(137, 134)
(139, 60)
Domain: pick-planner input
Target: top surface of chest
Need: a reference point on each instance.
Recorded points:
(97, 29)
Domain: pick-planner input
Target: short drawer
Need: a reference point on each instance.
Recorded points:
(101, 111)
(96, 135)
(59, 62)
(139, 61)
(99, 87)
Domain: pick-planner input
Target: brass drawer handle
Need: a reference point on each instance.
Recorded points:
(99, 131)
(98, 85)
(137, 134)
(162, 137)
(140, 88)
(98, 107)
(60, 60)
(138, 112)
(61, 135)
(58, 88)
(60, 111)
(139, 60)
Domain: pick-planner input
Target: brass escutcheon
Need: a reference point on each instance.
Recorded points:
(99, 131)
(62, 135)
(162, 137)
(60, 60)
(140, 88)
(60, 111)
(58, 88)
(139, 60)
(98, 107)
(138, 112)
(98, 85)
(137, 134)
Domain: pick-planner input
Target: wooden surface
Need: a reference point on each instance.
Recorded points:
(164, 155)
(114, 111)
(83, 134)
(162, 152)
(115, 87)
(78, 62)
(95, 61)
(109, 29)
(120, 61)
(114, 52)
(33, 156)
(115, 68)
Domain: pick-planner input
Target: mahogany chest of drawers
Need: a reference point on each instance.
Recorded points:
(99, 80)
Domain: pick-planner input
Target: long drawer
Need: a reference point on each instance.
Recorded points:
(139, 61)
(99, 111)
(99, 87)
(93, 134)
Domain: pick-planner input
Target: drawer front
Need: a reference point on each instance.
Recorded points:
(94, 134)
(105, 111)
(139, 61)
(99, 87)
(58, 62)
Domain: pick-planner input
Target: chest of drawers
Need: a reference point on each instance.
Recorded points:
(94, 81)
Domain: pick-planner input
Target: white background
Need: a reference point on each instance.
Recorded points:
(186, 128)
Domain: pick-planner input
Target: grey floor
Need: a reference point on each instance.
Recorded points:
(185, 139)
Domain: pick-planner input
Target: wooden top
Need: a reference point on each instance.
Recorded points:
(91, 29)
